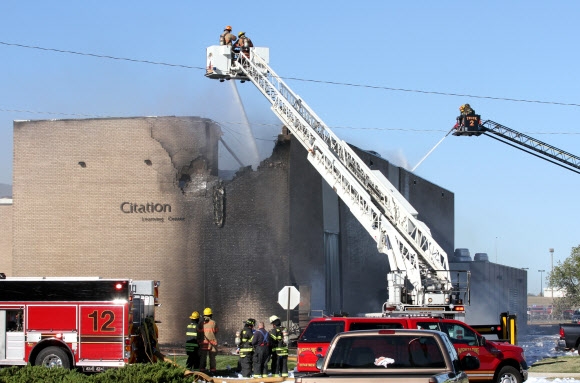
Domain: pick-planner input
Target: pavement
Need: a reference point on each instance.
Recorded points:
(573, 375)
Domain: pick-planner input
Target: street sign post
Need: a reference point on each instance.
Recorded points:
(288, 298)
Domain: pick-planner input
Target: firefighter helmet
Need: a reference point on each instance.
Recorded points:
(207, 311)
(194, 315)
(273, 318)
(251, 322)
(228, 28)
(241, 34)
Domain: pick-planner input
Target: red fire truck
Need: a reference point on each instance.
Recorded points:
(89, 323)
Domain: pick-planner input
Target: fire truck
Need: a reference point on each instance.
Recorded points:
(471, 125)
(420, 280)
(85, 322)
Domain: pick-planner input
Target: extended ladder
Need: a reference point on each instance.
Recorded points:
(420, 270)
(523, 142)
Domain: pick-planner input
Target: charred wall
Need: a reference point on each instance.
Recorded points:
(230, 245)
(117, 198)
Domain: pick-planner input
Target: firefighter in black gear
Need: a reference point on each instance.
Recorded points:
(191, 345)
(279, 340)
(244, 342)
(261, 343)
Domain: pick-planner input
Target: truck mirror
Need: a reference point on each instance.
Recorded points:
(320, 363)
(470, 362)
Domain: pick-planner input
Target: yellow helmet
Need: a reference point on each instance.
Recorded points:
(194, 315)
(207, 311)
(241, 34)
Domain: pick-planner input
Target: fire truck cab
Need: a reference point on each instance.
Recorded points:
(89, 323)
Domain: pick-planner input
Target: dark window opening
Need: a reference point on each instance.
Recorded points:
(184, 180)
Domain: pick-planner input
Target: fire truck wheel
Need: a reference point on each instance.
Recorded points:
(53, 357)
(509, 374)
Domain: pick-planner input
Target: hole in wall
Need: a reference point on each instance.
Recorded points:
(184, 180)
(148, 162)
(82, 164)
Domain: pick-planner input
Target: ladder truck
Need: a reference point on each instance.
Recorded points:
(471, 125)
(419, 280)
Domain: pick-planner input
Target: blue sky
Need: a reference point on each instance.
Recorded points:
(508, 204)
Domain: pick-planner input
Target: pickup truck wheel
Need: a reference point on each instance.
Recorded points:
(508, 374)
(53, 357)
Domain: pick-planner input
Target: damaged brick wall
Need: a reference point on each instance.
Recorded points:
(246, 259)
(230, 245)
(79, 183)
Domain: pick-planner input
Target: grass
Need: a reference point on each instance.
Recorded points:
(563, 364)
(223, 362)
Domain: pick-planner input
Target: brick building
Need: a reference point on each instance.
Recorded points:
(142, 198)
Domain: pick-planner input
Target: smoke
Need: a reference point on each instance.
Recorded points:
(397, 157)
(243, 141)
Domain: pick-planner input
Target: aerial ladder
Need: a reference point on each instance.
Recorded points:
(471, 125)
(420, 278)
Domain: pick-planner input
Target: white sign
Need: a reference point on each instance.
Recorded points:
(289, 297)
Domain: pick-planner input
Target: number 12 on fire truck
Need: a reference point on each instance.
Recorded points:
(90, 323)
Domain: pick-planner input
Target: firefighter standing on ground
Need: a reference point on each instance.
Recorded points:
(279, 338)
(227, 38)
(208, 341)
(261, 343)
(191, 345)
(244, 342)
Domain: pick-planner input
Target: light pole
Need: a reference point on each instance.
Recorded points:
(541, 282)
(552, 273)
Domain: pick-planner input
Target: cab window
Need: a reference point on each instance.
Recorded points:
(459, 334)
(374, 326)
(321, 331)
(428, 326)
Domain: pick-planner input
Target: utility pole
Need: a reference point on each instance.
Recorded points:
(541, 282)
(552, 273)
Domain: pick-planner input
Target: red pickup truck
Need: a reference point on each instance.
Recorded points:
(500, 362)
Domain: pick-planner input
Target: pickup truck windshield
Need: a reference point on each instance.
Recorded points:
(387, 352)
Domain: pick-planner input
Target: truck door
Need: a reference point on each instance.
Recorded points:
(102, 332)
(466, 341)
(11, 336)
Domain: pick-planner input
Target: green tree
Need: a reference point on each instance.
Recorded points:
(566, 277)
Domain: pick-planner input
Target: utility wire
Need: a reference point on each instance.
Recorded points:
(224, 124)
(100, 56)
(302, 79)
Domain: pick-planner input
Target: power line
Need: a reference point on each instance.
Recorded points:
(302, 79)
(100, 56)
(224, 124)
